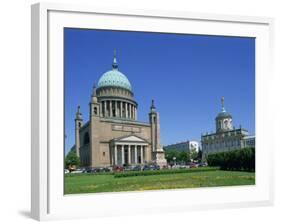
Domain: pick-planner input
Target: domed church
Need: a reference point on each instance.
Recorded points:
(113, 135)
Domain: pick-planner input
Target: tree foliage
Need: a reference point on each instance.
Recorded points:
(181, 157)
(72, 159)
(240, 159)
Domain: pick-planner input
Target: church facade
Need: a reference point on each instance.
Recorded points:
(226, 137)
(113, 135)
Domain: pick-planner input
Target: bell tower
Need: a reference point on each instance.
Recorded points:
(94, 104)
(94, 129)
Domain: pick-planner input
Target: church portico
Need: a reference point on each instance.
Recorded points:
(125, 152)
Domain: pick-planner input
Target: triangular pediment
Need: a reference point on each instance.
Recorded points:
(130, 138)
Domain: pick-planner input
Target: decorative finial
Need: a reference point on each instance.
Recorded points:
(152, 105)
(222, 104)
(78, 113)
(114, 64)
(94, 89)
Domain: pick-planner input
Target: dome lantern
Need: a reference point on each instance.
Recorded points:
(114, 78)
(114, 64)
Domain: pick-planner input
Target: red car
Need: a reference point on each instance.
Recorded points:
(118, 168)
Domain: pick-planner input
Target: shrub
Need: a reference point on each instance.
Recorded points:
(240, 159)
(160, 172)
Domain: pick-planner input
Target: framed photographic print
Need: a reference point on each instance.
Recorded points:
(101, 79)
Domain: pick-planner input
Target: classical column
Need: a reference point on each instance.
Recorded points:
(114, 108)
(136, 154)
(112, 155)
(130, 111)
(115, 154)
(105, 109)
(144, 154)
(141, 151)
(129, 154)
(133, 110)
(126, 110)
(123, 155)
(117, 109)
(121, 109)
(136, 113)
(110, 108)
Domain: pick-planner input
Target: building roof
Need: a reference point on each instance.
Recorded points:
(114, 78)
(223, 114)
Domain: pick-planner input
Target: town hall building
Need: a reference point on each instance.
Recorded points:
(226, 137)
(113, 135)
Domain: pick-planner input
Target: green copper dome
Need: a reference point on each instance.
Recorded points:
(223, 114)
(114, 78)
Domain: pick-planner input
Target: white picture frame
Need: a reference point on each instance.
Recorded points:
(48, 201)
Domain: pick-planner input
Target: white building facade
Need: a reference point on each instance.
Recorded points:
(226, 137)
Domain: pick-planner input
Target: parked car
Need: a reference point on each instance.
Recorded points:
(87, 170)
(202, 164)
(93, 170)
(136, 168)
(128, 168)
(118, 168)
(105, 169)
(79, 170)
(183, 166)
(193, 165)
(146, 167)
(66, 171)
(154, 167)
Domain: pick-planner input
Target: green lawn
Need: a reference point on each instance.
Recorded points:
(89, 183)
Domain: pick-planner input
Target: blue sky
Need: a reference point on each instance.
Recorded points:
(186, 75)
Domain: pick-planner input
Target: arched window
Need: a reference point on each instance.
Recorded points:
(86, 138)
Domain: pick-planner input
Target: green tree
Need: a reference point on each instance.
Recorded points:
(184, 157)
(72, 159)
(169, 155)
(239, 159)
(199, 155)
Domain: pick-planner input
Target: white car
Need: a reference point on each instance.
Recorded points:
(78, 171)
(66, 171)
